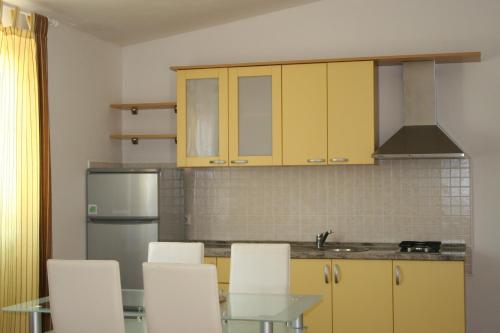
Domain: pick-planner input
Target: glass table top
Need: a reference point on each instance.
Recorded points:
(250, 307)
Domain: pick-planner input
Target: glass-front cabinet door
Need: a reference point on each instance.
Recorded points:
(255, 116)
(202, 116)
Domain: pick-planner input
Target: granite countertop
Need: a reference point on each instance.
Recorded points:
(387, 251)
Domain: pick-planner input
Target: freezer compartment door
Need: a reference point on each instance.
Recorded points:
(122, 195)
(125, 242)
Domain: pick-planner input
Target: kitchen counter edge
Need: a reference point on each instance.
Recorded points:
(377, 251)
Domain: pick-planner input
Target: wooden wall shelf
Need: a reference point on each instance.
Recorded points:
(135, 107)
(452, 57)
(136, 137)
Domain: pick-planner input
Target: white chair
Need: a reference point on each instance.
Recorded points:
(86, 296)
(181, 298)
(176, 252)
(260, 268)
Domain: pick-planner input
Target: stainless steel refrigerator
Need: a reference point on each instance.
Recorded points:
(122, 218)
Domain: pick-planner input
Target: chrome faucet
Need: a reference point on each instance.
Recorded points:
(321, 238)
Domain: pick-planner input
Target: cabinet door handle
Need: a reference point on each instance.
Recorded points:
(336, 273)
(326, 273)
(239, 161)
(217, 162)
(339, 159)
(398, 275)
(316, 160)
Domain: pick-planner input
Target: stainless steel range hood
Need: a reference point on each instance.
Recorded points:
(421, 135)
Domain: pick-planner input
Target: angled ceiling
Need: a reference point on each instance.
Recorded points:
(130, 21)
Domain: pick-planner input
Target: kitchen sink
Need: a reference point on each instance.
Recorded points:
(334, 247)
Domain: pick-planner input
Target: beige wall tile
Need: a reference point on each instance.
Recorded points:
(389, 202)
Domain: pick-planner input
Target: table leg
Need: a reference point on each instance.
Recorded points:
(266, 327)
(35, 322)
(298, 324)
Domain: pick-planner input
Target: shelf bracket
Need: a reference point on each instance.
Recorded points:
(135, 141)
(175, 140)
(134, 110)
(175, 109)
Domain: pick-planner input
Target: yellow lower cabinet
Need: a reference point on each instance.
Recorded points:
(210, 260)
(429, 296)
(224, 287)
(312, 277)
(362, 296)
(223, 269)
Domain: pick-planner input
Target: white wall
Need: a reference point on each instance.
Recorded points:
(84, 78)
(468, 93)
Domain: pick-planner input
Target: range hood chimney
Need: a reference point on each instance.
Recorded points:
(421, 135)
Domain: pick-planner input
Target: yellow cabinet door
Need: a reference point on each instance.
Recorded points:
(223, 269)
(224, 287)
(210, 260)
(255, 116)
(312, 277)
(362, 296)
(429, 296)
(202, 118)
(351, 112)
(304, 101)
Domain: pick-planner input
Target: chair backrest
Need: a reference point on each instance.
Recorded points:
(176, 252)
(181, 298)
(260, 268)
(85, 296)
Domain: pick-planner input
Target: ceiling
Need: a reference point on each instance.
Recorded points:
(130, 21)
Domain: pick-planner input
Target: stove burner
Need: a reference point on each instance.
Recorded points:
(422, 247)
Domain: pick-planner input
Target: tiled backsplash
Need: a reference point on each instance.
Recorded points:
(389, 202)
(171, 226)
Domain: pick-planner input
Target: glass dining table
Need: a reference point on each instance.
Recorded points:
(266, 309)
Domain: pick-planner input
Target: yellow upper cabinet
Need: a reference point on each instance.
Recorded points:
(304, 114)
(362, 296)
(313, 277)
(351, 112)
(255, 116)
(307, 114)
(202, 117)
(429, 296)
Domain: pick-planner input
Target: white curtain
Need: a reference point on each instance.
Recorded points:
(19, 174)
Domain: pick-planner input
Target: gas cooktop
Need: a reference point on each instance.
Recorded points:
(420, 246)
